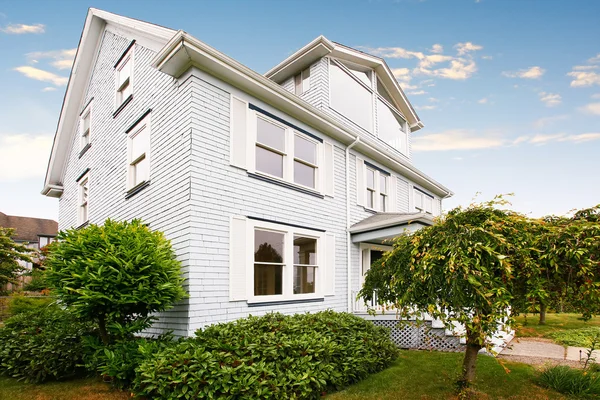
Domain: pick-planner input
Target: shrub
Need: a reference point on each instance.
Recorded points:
(37, 283)
(576, 337)
(574, 382)
(22, 304)
(43, 344)
(274, 356)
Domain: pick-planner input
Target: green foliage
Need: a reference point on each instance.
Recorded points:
(40, 345)
(576, 337)
(116, 274)
(274, 357)
(119, 360)
(38, 281)
(22, 304)
(10, 254)
(574, 382)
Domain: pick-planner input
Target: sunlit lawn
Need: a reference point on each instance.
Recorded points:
(527, 325)
(79, 389)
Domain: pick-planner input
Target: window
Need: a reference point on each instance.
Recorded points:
(302, 82)
(305, 264)
(82, 213)
(383, 192)
(124, 76)
(85, 127)
(275, 141)
(423, 201)
(350, 98)
(377, 189)
(138, 154)
(268, 262)
(371, 188)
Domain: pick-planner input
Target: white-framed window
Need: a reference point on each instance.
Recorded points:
(423, 201)
(284, 153)
(85, 124)
(383, 192)
(124, 78)
(83, 200)
(138, 153)
(302, 82)
(371, 189)
(376, 189)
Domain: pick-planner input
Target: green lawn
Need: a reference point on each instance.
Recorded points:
(527, 325)
(415, 375)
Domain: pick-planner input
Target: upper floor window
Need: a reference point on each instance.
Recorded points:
(138, 154)
(85, 124)
(302, 82)
(82, 209)
(423, 201)
(383, 192)
(305, 161)
(124, 78)
(375, 187)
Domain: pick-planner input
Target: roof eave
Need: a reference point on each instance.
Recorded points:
(421, 218)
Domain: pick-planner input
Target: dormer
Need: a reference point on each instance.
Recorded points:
(356, 88)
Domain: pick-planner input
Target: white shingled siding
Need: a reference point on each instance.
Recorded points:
(318, 94)
(165, 203)
(220, 190)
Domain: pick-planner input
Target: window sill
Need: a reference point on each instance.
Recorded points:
(85, 149)
(86, 223)
(370, 210)
(285, 184)
(123, 105)
(283, 302)
(136, 189)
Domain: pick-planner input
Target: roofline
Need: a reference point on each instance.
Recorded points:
(184, 51)
(423, 218)
(336, 50)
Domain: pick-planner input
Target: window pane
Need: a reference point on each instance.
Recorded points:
(384, 93)
(267, 279)
(370, 178)
(268, 246)
(86, 122)
(382, 202)
(418, 200)
(350, 98)
(304, 279)
(305, 250)
(270, 134)
(305, 150)
(269, 162)
(141, 171)
(376, 255)
(390, 127)
(370, 196)
(383, 183)
(428, 204)
(304, 174)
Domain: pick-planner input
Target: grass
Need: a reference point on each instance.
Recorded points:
(415, 375)
(431, 375)
(527, 325)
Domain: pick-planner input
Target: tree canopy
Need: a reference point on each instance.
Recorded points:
(10, 255)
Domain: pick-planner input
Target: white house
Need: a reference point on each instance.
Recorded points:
(276, 190)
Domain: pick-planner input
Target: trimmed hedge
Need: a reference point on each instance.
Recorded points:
(275, 357)
(43, 344)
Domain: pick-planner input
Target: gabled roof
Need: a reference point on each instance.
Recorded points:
(28, 229)
(321, 46)
(95, 22)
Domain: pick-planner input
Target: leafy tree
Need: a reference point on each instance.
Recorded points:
(460, 270)
(116, 274)
(10, 255)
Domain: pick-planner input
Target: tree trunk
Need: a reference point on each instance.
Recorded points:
(470, 360)
(102, 329)
(542, 314)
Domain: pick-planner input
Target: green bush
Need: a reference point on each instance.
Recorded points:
(576, 337)
(22, 304)
(37, 283)
(43, 344)
(275, 357)
(570, 381)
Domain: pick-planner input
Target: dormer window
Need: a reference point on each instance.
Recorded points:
(302, 82)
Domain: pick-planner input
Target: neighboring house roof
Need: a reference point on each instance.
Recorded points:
(321, 46)
(28, 229)
(383, 227)
(180, 51)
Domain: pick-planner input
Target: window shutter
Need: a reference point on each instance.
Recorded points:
(238, 128)
(238, 262)
(393, 195)
(328, 173)
(360, 181)
(329, 275)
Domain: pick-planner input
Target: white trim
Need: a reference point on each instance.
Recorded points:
(362, 258)
(144, 124)
(83, 184)
(128, 58)
(87, 113)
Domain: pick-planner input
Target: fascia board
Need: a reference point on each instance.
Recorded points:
(317, 48)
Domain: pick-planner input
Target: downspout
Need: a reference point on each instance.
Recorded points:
(348, 238)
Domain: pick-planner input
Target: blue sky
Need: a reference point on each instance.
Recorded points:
(509, 91)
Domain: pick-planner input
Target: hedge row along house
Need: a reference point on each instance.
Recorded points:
(276, 190)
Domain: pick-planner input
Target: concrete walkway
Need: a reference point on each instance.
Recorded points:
(523, 348)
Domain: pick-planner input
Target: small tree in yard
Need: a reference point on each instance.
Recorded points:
(460, 270)
(116, 274)
(10, 255)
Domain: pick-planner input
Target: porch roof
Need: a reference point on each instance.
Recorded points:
(384, 226)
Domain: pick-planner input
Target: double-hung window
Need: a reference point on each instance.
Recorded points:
(85, 127)
(124, 78)
(305, 264)
(371, 190)
(82, 209)
(270, 147)
(305, 161)
(423, 201)
(138, 154)
(383, 192)
(302, 82)
(375, 187)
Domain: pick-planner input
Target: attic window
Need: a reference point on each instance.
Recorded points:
(302, 82)
(124, 78)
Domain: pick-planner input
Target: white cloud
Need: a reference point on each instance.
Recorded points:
(487, 57)
(433, 100)
(23, 156)
(455, 139)
(483, 101)
(428, 107)
(585, 67)
(19, 29)
(550, 99)
(41, 75)
(543, 139)
(467, 47)
(457, 158)
(417, 92)
(549, 121)
(62, 59)
(584, 78)
(49, 89)
(596, 96)
(592, 108)
(527, 73)
(437, 48)
(595, 59)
